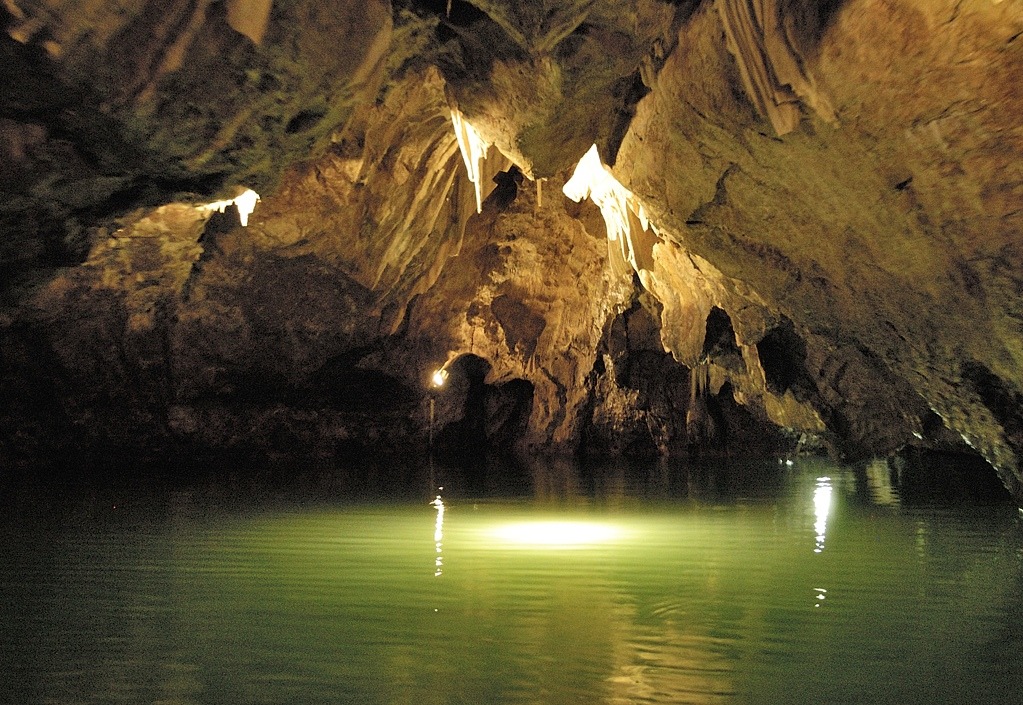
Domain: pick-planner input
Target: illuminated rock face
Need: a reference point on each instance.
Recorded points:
(884, 238)
(811, 221)
(110, 106)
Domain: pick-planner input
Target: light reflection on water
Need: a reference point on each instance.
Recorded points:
(795, 587)
(821, 507)
(438, 536)
(558, 535)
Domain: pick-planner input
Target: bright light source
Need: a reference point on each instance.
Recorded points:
(246, 203)
(556, 534)
(439, 377)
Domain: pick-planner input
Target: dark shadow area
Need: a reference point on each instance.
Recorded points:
(462, 14)
(350, 388)
(305, 120)
(742, 432)
(656, 409)
(469, 38)
(628, 92)
(522, 326)
(339, 385)
(810, 21)
(1004, 402)
(783, 356)
(507, 188)
(476, 421)
(507, 408)
(706, 480)
(34, 421)
(933, 478)
(719, 341)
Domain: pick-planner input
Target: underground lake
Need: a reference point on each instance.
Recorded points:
(739, 581)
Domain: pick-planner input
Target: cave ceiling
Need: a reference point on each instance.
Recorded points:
(812, 207)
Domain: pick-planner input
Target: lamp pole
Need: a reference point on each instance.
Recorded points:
(430, 444)
(436, 381)
(429, 452)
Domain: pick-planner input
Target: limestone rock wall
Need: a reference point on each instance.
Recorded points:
(207, 332)
(878, 235)
(108, 106)
(530, 293)
(832, 191)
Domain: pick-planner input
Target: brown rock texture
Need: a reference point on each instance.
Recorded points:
(877, 236)
(819, 227)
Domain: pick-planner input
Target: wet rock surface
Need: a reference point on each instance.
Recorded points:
(831, 193)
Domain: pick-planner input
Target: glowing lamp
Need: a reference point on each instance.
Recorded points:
(440, 376)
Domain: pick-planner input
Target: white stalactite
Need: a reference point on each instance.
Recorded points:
(617, 204)
(474, 150)
(591, 179)
(246, 203)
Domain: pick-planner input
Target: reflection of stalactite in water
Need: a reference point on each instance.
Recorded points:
(699, 424)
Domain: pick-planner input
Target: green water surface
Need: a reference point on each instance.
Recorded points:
(809, 583)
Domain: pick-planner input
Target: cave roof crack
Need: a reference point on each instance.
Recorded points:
(720, 198)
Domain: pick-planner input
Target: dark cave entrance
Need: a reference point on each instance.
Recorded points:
(477, 420)
(719, 341)
(782, 354)
(675, 410)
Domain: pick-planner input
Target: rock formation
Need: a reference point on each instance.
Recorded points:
(794, 220)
